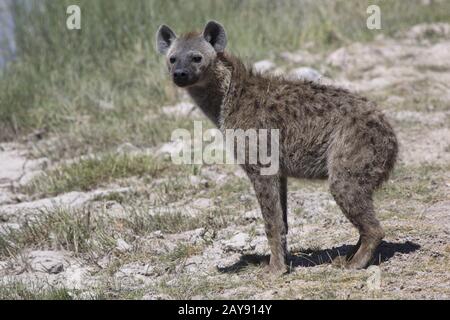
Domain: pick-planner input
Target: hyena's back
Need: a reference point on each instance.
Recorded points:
(324, 131)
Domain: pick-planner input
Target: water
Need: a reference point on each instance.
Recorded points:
(7, 42)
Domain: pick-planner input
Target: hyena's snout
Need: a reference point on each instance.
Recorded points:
(181, 77)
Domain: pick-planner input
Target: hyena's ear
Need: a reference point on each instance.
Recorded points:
(215, 34)
(164, 38)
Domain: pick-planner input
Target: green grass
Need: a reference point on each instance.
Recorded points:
(23, 291)
(82, 231)
(186, 287)
(89, 173)
(178, 256)
(18, 290)
(74, 230)
(142, 223)
(63, 79)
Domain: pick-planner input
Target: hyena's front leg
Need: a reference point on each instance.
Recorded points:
(283, 198)
(269, 191)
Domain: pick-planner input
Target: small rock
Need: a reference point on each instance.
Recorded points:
(259, 244)
(245, 198)
(75, 277)
(299, 57)
(3, 265)
(197, 233)
(202, 235)
(195, 180)
(123, 246)
(37, 164)
(252, 215)
(237, 243)
(57, 268)
(4, 218)
(374, 279)
(305, 73)
(203, 203)
(263, 66)
(427, 30)
(12, 163)
(209, 235)
(103, 262)
(116, 210)
(27, 177)
(136, 268)
(158, 234)
(5, 198)
(105, 105)
(47, 261)
(72, 199)
(6, 228)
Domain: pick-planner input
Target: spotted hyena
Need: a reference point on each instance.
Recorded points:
(325, 132)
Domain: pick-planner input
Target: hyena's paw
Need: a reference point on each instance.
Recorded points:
(359, 260)
(275, 269)
(340, 262)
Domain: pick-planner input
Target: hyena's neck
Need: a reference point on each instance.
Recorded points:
(211, 96)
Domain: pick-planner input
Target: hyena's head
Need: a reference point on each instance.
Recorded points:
(190, 56)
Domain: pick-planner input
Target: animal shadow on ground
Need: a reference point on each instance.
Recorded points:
(311, 258)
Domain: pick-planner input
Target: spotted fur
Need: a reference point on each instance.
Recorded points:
(325, 133)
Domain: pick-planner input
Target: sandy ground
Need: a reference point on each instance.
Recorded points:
(409, 78)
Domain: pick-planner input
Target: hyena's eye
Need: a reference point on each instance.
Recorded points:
(197, 59)
(172, 60)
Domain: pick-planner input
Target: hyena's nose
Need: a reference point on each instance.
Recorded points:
(180, 74)
(180, 77)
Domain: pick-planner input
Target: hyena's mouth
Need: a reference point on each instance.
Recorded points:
(182, 77)
(184, 82)
(181, 83)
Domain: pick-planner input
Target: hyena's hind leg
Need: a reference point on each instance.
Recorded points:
(355, 200)
(359, 160)
(271, 198)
